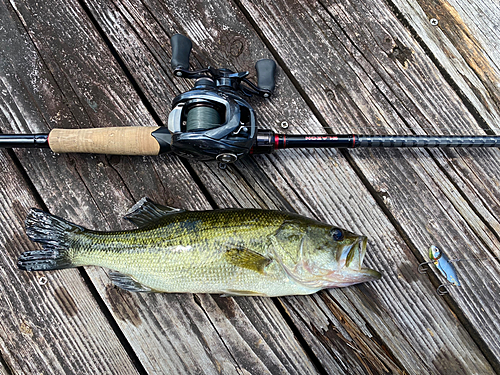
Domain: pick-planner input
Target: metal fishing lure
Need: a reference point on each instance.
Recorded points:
(444, 265)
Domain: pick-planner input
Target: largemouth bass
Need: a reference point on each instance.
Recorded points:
(239, 252)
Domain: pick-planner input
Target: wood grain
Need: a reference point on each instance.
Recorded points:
(167, 332)
(463, 38)
(234, 186)
(50, 321)
(348, 65)
(402, 181)
(238, 186)
(90, 190)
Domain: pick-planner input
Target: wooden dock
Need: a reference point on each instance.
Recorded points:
(375, 66)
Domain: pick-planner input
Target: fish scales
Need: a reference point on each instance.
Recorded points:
(234, 252)
(174, 256)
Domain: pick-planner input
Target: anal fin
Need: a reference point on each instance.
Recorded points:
(128, 283)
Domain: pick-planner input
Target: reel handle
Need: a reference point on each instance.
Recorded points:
(266, 69)
(181, 49)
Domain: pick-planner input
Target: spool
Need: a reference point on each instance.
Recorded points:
(202, 117)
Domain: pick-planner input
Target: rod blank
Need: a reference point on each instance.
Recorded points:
(426, 141)
(24, 141)
(139, 141)
(267, 141)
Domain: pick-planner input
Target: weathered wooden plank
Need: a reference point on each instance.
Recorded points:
(50, 323)
(310, 193)
(3, 370)
(325, 333)
(406, 304)
(463, 37)
(39, 337)
(97, 187)
(232, 183)
(293, 175)
(342, 328)
(361, 69)
(419, 94)
(97, 181)
(297, 359)
(169, 333)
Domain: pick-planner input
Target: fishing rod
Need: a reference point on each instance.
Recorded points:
(213, 121)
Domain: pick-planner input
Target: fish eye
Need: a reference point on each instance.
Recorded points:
(337, 234)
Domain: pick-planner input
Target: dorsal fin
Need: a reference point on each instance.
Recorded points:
(147, 212)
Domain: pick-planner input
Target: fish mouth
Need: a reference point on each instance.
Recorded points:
(347, 271)
(354, 262)
(351, 270)
(352, 256)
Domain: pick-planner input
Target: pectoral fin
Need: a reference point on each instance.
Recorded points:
(246, 258)
(147, 212)
(128, 282)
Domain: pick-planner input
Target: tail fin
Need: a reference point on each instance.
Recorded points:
(56, 236)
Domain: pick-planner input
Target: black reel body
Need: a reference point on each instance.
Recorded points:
(212, 121)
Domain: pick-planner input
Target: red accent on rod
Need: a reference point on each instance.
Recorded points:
(353, 140)
(284, 140)
(276, 141)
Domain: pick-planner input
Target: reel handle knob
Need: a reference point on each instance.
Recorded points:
(266, 68)
(181, 49)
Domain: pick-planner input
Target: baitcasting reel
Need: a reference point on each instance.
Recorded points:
(212, 120)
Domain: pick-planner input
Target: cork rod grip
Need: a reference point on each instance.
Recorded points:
(131, 140)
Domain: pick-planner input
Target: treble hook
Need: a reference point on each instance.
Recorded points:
(421, 269)
(441, 292)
